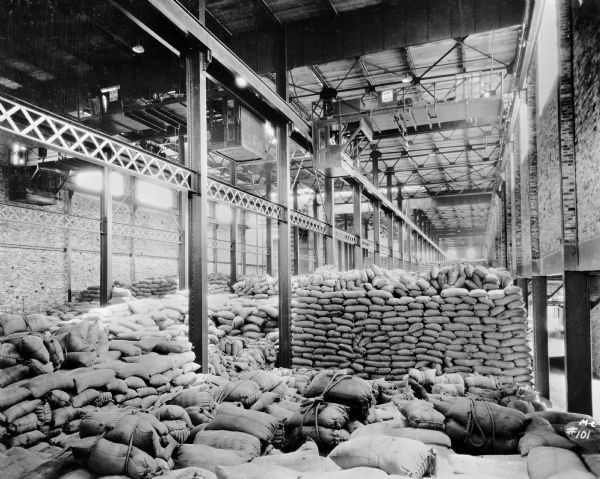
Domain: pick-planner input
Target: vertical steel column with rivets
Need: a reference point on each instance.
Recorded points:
(196, 64)
(106, 240)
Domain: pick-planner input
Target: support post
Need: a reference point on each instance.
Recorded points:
(106, 243)
(401, 234)
(356, 224)
(183, 204)
(376, 231)
(330, 217)
(233, 229)
(540, 334)
(409, 246)
(296, 233)
(68, 201)
(391, 221)
(243, 242)
(578, 345)
(318, 238)
(269, 222)
(283, 226)
(196, 64)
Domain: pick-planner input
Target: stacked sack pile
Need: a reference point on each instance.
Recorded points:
(382, 323)
(243, 333)
(156, 286)
(230, 356)
(258, 287)
(218, 283)
(242, 317)
(90, 294)
(125, 354)
(69, 310)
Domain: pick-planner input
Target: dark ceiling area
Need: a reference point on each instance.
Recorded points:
(449, 66)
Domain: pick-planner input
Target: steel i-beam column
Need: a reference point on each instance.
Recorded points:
(540, 334)
(283, 185)
(391, 221)
(106, 240)
(330, 217)
(375, 155)
(376, 231)
(356, 224)
(183, 204)
(196, 64)
(269, 222)
(318, 238)
(233, 229)
(296, 234)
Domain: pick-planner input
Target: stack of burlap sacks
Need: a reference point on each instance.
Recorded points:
(218, 283)
(244, 317)
(127, 354)
(70, 310)
(90, 294)
(258, 287)
(382, 323)
(231, 356)
(156, 286)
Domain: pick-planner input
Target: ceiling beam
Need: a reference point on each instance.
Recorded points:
(226, 66)
(376, 28)
(434, 128)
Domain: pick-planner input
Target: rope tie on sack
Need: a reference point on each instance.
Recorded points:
(318, 401)
(26, 321)
(130, 445)
(473, 423)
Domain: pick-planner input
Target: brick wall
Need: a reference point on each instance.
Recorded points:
(587, 120)
(34, 263)
(549, 204)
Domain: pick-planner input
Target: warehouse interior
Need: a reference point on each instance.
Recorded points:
(399, 196)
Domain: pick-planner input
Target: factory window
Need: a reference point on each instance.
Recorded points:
(90, 181)
(154, 195)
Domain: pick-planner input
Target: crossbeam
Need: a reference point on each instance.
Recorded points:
(32, 124)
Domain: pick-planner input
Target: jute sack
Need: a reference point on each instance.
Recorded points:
(421, 414)
(255, 471)
(131, 429)
(325, 438)
(186, 473)
(105, 458)
(350, 391)
(540, 432)
(352, 473)
(490, 418)
(258, 424)
(553, 462)
(244, 444)
(330, 415)
(474, 441)
(305, 458)
(397, 429)
(393, 455)
(205, 457)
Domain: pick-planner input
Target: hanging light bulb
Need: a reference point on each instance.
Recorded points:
(138, 49)
(241, 82)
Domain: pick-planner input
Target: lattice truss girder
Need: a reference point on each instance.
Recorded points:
(49, 219)
(53, 132)
(345, 236)
(308, 223)
(230, 195)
